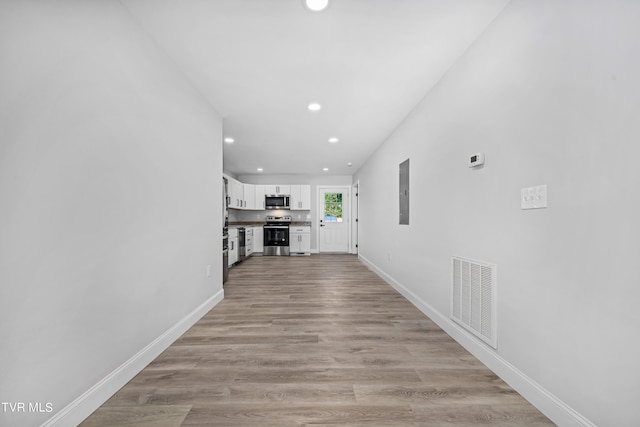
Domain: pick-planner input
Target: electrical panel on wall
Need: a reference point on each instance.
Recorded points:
(404, 193)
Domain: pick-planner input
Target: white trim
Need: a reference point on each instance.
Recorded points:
(355, 212)
(549, 404)
(75, 412)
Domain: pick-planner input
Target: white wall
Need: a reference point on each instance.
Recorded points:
(110, 185)
(550, 94)
(313, 180)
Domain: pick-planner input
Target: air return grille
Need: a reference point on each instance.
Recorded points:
(473, 299)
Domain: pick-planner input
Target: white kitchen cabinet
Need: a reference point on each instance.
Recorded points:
(233, 246)
(236, 193)
(248, 241)
(258, 240)
(300, 240)
(300, 198)
(249, 196)
(259, 197)
(277, 189)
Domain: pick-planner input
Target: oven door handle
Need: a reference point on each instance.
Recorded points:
(276, 226)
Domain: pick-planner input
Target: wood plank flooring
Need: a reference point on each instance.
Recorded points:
(314, 341)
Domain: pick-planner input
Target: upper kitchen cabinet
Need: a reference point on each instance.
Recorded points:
(259, 198)
(236, 193)
(277, 189)
(249, 196)
(300, 198)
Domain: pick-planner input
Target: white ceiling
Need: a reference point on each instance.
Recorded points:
(261, 62)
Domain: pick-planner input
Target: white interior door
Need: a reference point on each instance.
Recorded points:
(333, 203)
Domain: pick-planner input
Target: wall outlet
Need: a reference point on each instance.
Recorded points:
(389, 256)
(209, 270)
(533, 197)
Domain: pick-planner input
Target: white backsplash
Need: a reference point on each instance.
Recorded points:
(236, 215)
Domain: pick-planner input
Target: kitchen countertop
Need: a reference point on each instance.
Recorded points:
(261, 223)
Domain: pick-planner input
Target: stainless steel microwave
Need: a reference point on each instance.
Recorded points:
(276, 201)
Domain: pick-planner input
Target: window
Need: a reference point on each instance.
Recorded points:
(333, 207)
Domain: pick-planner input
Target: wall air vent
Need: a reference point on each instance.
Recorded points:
(473, 298)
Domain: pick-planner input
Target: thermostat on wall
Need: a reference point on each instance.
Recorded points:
(476, 160)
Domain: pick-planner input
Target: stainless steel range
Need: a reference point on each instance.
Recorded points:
(276, 235)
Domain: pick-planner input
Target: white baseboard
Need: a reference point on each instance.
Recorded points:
(550, 405)
(75, 412)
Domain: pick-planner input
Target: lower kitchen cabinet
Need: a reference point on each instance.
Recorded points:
(248, 241)
(258, 240)
(300, 240)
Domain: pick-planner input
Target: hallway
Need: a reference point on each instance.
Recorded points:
(317, 340)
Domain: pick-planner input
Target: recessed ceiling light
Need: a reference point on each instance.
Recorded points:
(349, 164)
(325, 169)
(259, 169)
(316, 5)
(333, 140)
(229, 140)
(314, 106)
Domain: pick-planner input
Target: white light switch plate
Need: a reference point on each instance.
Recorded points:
(533, 197)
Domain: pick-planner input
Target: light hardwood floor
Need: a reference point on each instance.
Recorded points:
(314, 341)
